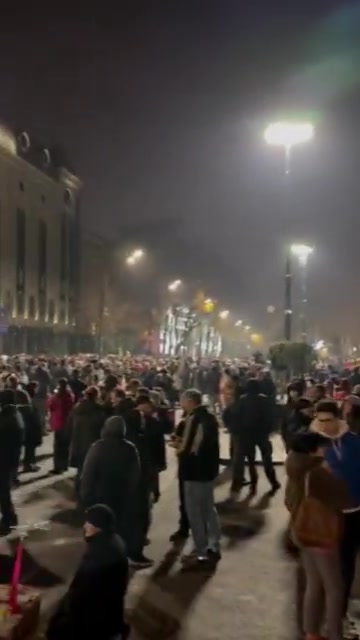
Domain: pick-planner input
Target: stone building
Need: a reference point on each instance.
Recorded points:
(39, 247)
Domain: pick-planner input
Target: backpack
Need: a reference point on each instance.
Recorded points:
(314, 524)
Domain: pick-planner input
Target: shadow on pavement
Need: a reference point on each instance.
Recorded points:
(71, 517)
(32, 573)
(162, 607)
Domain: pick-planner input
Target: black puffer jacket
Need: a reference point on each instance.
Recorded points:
(11, 439)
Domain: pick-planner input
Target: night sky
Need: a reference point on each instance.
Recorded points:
(160, 107)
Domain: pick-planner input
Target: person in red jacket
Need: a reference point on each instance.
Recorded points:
(60, 405)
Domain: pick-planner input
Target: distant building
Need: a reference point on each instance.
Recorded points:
(39, 246)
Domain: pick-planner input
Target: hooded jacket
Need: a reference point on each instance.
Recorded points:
(111, 471)
(323, 484)
(343, 458)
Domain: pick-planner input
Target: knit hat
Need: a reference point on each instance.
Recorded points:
(101, 517)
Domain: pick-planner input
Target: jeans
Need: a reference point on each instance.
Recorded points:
(203, 517)
(323, 578)
(183, 521)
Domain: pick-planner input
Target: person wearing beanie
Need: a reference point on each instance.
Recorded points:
(111, 476)
(93, 606)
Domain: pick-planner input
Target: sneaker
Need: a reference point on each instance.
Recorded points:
(140, 562)
(179, 535)
(193, 562)
(214, 556)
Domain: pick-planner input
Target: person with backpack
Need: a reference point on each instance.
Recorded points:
(315, 498)
(342, 454)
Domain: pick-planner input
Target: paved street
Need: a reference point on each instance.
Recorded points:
(250, 593)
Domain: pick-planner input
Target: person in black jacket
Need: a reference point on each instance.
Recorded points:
(251, 423)
(111, 476)
(11, 439)
(198, 452)
(93, 606)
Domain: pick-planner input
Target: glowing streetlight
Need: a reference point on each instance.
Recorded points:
(247, 328)
(135, 257)
(238, 323)
(302, 252)
(224, 314)
(288, 135)
(174, 286)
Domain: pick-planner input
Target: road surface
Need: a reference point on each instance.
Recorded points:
(249, 595)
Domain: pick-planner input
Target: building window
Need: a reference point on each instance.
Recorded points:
(52, 311)
(42, 269)
(20, 260)
(32, 307)
(9, 303)
(21, 186)
(64, 251)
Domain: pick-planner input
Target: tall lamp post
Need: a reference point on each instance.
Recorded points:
(287, 135)
(302, 252)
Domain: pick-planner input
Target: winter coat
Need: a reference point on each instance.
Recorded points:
(85, 423)
(60, 406)
(93, 606)
(111, 471)
(11, 439)
(197, 444)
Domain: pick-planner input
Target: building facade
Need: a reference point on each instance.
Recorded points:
(39, 247)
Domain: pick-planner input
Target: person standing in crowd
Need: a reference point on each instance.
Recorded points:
(42, 377)
(182, 533)
(85, 423)
(343, 457)
(77, 385)
(94, 604)
(111, 475)
(198, 452)
(60, 406)
(314, 492)
(144, 430)
(33, 430)
(251, 421)
(300, 419)
(11, 440)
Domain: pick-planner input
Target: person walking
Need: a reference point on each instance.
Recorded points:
(60, 405)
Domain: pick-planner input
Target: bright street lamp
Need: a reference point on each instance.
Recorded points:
(224, 314)
(302, 252)
(247, 328)
(288, 135)
(174, 286)
(135, 257)
(238, 323)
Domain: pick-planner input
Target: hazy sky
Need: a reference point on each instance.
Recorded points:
(160, 107)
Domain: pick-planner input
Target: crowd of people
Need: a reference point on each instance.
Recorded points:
(112, 420)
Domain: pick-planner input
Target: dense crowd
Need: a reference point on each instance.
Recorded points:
(112, 420)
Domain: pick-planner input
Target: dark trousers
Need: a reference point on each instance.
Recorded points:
(183, 521)
(245, 449)
(29, 454)
(61, 450)
(348, 552)
(136, 529)
(9, 518)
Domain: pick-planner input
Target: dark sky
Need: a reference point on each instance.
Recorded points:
(160, 107)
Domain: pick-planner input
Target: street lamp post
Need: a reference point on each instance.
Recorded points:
(287, 134)
(302, 252)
